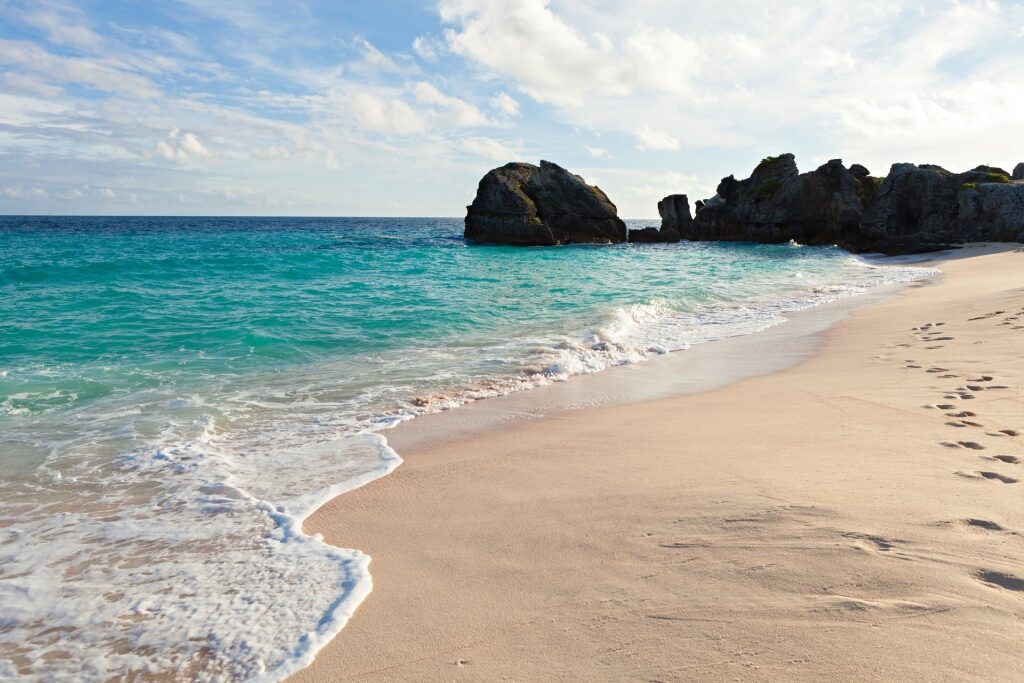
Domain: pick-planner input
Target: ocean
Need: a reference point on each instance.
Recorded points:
(178, 394)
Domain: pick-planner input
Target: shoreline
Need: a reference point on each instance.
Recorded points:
(479, 434)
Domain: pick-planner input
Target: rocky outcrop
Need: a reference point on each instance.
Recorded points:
(541, 205)
(919, 208)
(1018, 171)
(675, 218)
(675, 213)
(913, 209)
(777, 203)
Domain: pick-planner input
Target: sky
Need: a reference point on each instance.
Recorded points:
(388, 108)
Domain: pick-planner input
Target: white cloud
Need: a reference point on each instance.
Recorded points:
(374, 59)
(457, 111)
(598, 152)
(428, 47)
(505, 103)
(492, 149)
(59, 31)
(555, 62)
(182, 148)
(655, 139)
(25, 84)
(391, 115)
(102, 74)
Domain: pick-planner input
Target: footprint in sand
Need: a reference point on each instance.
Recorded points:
(1009, 432)
(1008, 459)
(973, 445)
(962, 413)
(995, 476)
(983, 378)
(1001, 580)
(984, 524)
(992, 476)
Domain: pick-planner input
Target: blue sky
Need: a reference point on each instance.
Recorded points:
(397, 108)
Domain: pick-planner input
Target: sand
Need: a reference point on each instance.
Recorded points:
(855, 516)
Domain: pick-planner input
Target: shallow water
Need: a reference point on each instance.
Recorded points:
(178, 394)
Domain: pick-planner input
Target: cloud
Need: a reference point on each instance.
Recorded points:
(101, 74)
(391, 115)
(655, 139)
(59, 31)
(182, 147)
(553, 61)
(25, 84)
(373, 59)
(598, 153)
(458, 111)
(505, 103)
(492, 149)
(428, 47)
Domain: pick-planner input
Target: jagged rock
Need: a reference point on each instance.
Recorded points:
(675, 213)
(913, 209)
(524, 204)
(675, 217)
(1018, 171)
(778, 204)
(927, 205)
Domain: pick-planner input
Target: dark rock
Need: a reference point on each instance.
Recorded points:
(777, 204)
(1018, 171)
(914, 209)
(530, 205)
(929, 205)
(675, 218)
(675, 213)
(651, 235)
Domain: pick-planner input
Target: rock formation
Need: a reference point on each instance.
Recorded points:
(524, 204)
(914, 209)
(1018, 171)
(918, 208)
(675, 218)
(777, 204)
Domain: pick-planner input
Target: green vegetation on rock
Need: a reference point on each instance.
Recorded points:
(969, 186)
(766, 162)
(996, 178)
(535, 220)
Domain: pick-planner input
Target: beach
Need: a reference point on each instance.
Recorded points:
(848, 510)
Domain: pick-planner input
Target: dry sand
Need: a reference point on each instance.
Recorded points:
(857, 516)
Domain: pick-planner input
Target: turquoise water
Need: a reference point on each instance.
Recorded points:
(177, 395)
